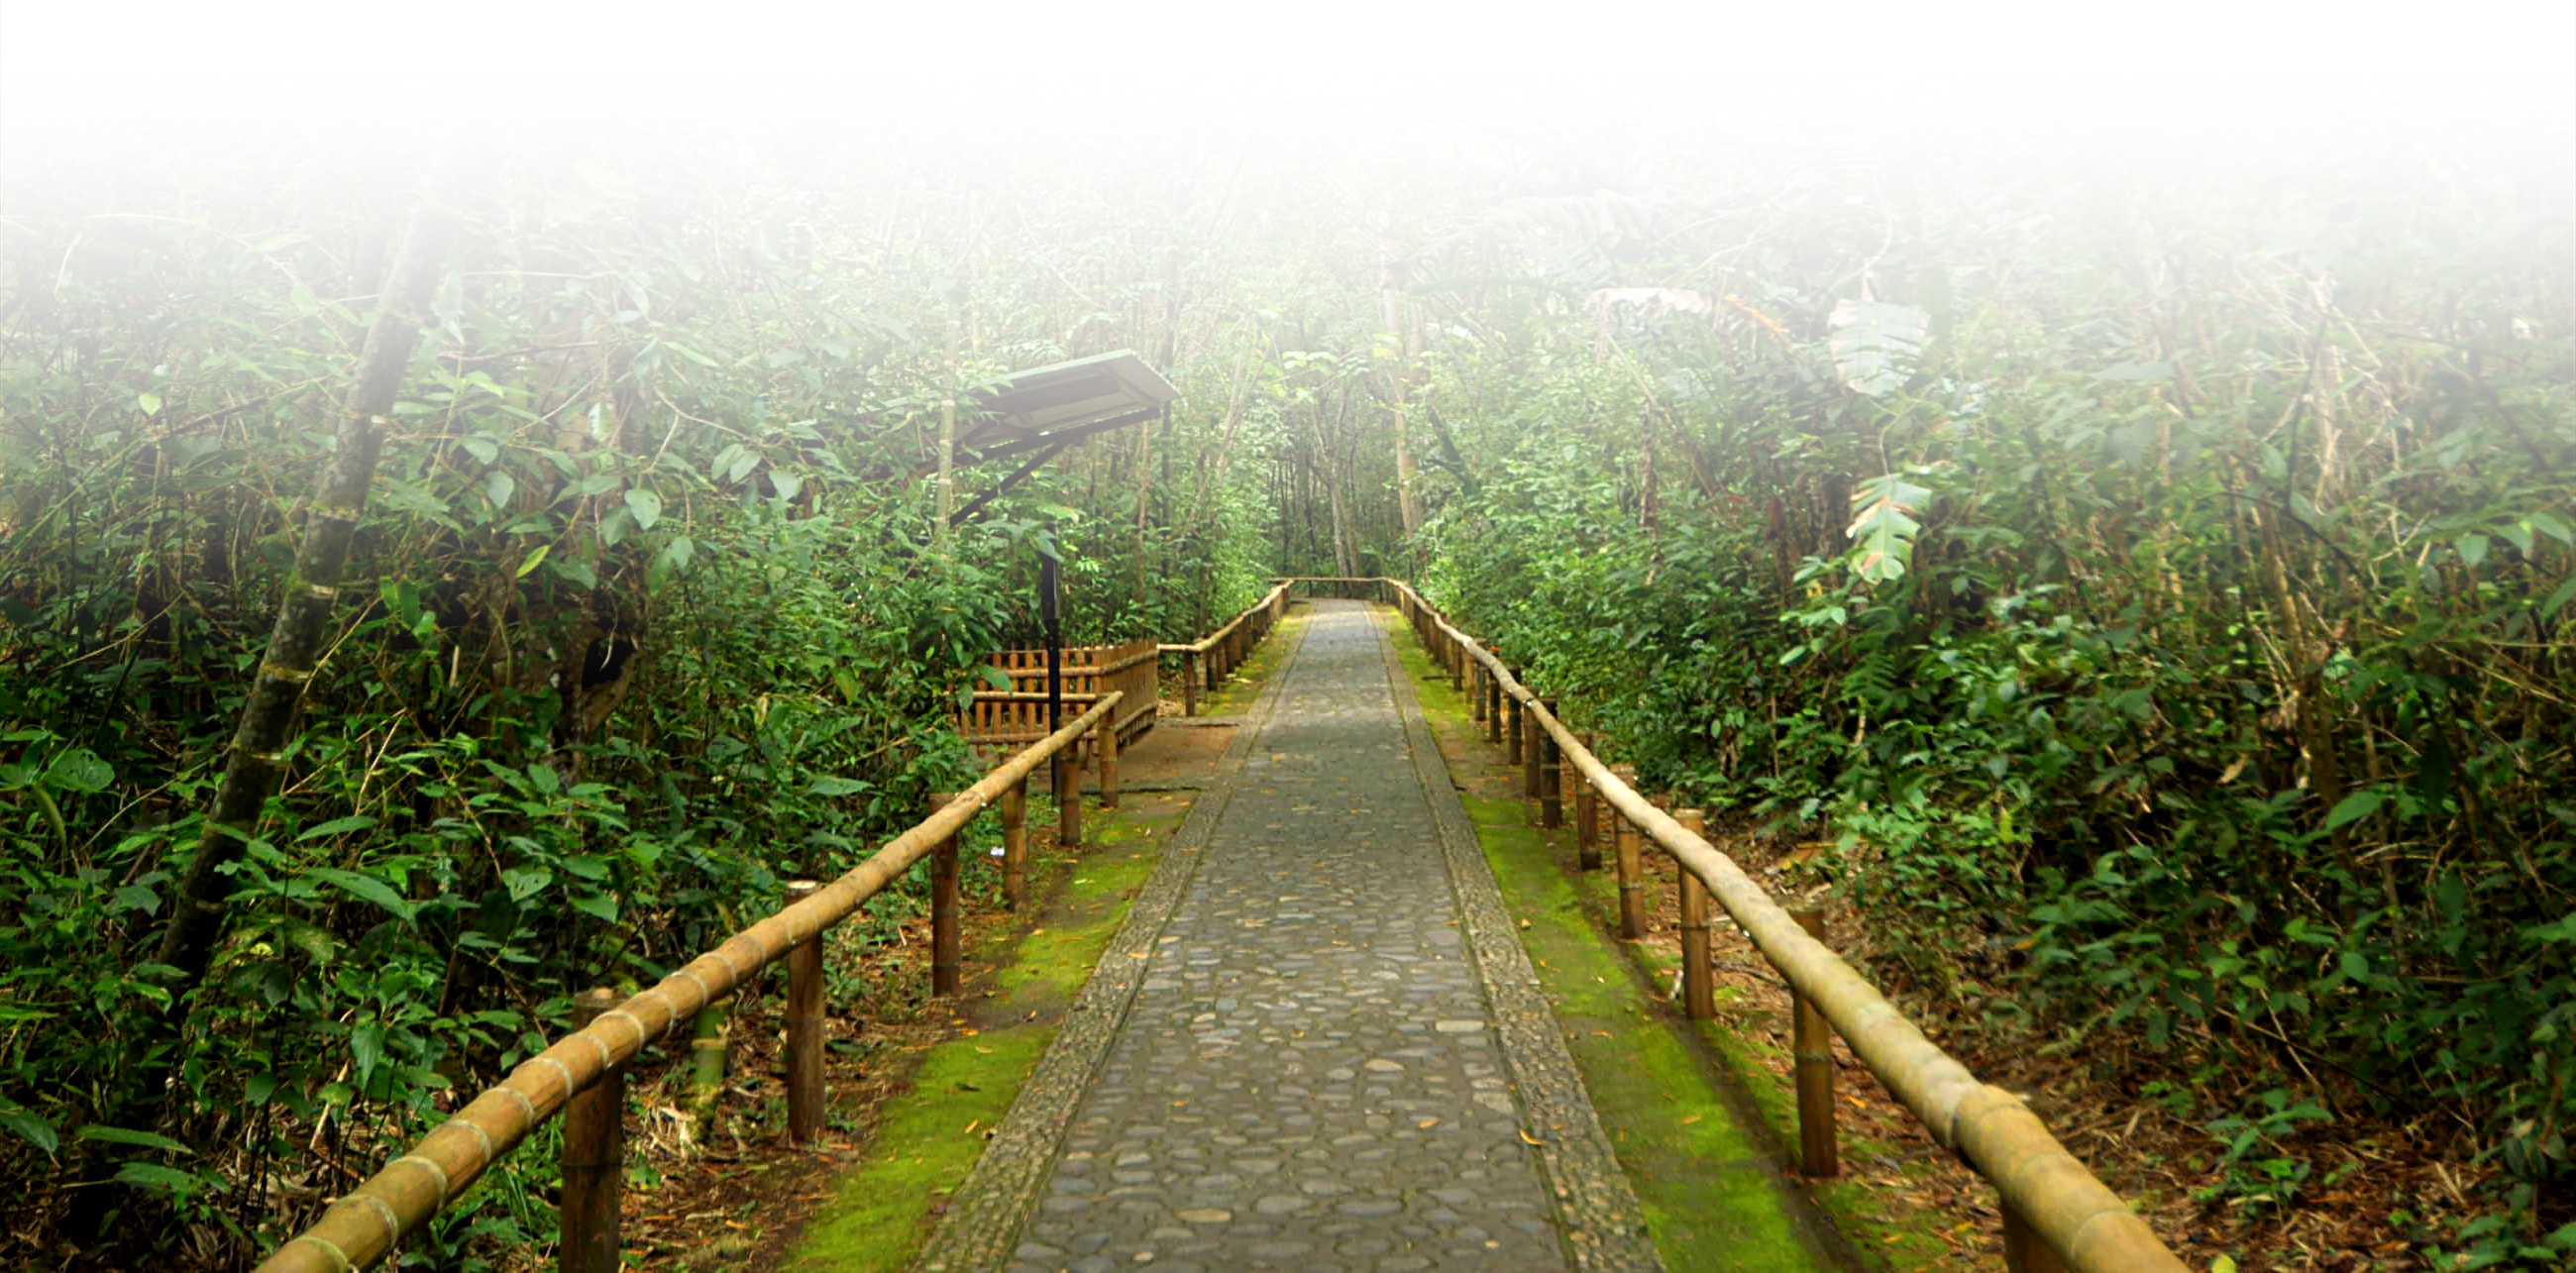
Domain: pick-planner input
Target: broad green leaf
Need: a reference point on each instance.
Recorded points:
(337, 826)
(79, 769)
(2353, 808)
(367, 1047)
(1875, 345)
(831, 786)
(35, 1131)
(153, 1175)
(534, 560)
(365, 888)
(599, 906)
(646, 506)
(484, 450)
(148, 403)
(2472, 548)
(128, 1136)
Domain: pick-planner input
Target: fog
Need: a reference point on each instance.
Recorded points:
(90, 83)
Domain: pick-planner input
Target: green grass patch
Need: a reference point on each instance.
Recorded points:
(922, 1149)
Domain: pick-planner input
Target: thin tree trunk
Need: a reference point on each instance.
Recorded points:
(295, 641)
(254, 760)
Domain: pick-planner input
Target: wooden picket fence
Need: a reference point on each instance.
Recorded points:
(999, 718)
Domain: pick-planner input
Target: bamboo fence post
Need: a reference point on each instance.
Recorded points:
(594, 1152)
(1458, 661)
(1529, 753)
(1812, 1042)
(1190, 683)
(2024, 1250)
(1551, 776)
(1015, 845)
(1626, 848)
(1068, 799)
(1476, 694)
(804, 1029)
(1493, 707)
(1512, 730)
(943, 908)
(1108, 761)
(1587, 814)
(1699, 982)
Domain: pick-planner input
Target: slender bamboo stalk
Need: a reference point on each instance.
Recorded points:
(296, 641)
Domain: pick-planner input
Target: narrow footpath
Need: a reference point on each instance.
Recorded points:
(1326, 1049)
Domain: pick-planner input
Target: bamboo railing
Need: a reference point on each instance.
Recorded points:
(2056, 1213)
(1085, 672)
(1212, 658)
(581, 1076)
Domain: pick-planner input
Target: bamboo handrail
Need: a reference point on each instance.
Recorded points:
(1209, 642)
(2043, 1186)
(364, 1225)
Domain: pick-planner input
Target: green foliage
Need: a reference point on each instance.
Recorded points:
(2191, 656)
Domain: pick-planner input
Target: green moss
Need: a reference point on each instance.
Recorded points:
(929, 1137)
(928, 1141)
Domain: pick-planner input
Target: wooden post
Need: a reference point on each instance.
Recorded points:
(804, 1029)
(1627, 849)
(1493, 707)
(1108, 732)
(1587, 814)
(2024, 1250)
(943, 908)
(1812, 1043)
(1015, 844)
(1457, 664)
(1551, 775)
(1190, 683)
(594, 1159)
(1068, 800)
(1476, 694)
(1699, 980)
(1529, 753)
(1512, 730)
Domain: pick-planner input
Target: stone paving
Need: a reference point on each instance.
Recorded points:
(1307, 1073)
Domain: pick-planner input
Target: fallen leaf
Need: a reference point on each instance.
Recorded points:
(1528, 1139)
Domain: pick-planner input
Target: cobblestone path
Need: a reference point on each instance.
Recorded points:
(1308, 1075)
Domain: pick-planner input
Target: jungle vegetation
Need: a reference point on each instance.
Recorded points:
(2148, 577)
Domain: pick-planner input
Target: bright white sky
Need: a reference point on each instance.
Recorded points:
(92, 73)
